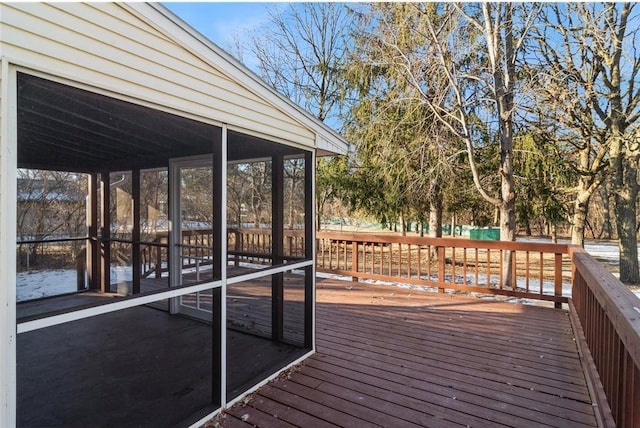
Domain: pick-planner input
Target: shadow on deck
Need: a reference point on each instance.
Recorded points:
(395, 357)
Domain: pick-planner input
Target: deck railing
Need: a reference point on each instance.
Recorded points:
(255, 245)
(538, 271)
(605, 313)
(609, 317)
(243, 245)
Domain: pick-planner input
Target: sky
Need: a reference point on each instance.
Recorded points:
(220, 21)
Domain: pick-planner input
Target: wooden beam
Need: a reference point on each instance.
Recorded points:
(217, 347)
(105, 245)
(218, 236)
(135, 234)
(309, 243)
(277, 246)
(94, 244)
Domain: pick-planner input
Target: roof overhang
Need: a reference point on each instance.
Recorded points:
(328, 141)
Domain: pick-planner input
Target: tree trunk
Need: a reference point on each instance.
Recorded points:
(607, 229)
(505, 87)
(453, 225)
(587, 184)
(580, 207)
(435, 219)
(508, 194)
(507, 233)
(626, 194)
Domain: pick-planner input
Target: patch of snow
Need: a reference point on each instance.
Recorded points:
(36, 284)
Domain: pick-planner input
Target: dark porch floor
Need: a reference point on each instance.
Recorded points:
(138, 367)
(399, 358)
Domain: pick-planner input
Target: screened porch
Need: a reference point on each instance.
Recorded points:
(135, 305)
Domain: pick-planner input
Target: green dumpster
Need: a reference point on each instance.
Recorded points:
(485, 234)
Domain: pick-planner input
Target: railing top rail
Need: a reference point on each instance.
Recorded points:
(53, 240)
(287, 232)
(619, 303)
(446, 242)
(257, 231)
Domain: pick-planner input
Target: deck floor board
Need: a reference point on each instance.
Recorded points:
(419, 341)
(288, 414)
(375, 347)
(399, 357)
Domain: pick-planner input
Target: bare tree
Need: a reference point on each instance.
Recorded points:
(589, 64)
(300, 52)
(466, 75)
(50, 205)
(481, 81)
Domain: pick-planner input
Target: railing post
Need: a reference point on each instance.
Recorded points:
(354, 259)
(289, 250)
(158, 258)
(441, 268)
(557, 280)
(238, 247)
(81, 268)
(514, 271)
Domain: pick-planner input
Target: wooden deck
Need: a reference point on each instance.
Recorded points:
(396, 357)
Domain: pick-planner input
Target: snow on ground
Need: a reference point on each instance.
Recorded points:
(36, 284)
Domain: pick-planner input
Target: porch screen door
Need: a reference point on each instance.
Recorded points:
(192, 208)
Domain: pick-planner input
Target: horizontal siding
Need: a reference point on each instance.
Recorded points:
(105, 46)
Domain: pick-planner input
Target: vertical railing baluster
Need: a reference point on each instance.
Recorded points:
(500, 271)
(514, 270)
(453, 265)
(441, 267)
(464, 266)
(476, 267)
(557, 280)
(354, 259)
(527, 271)
(419, 261)
(488, 268)
(541, 273)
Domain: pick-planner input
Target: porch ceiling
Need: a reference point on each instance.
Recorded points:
(65, 128)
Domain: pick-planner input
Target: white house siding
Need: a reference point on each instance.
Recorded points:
(104, 45)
